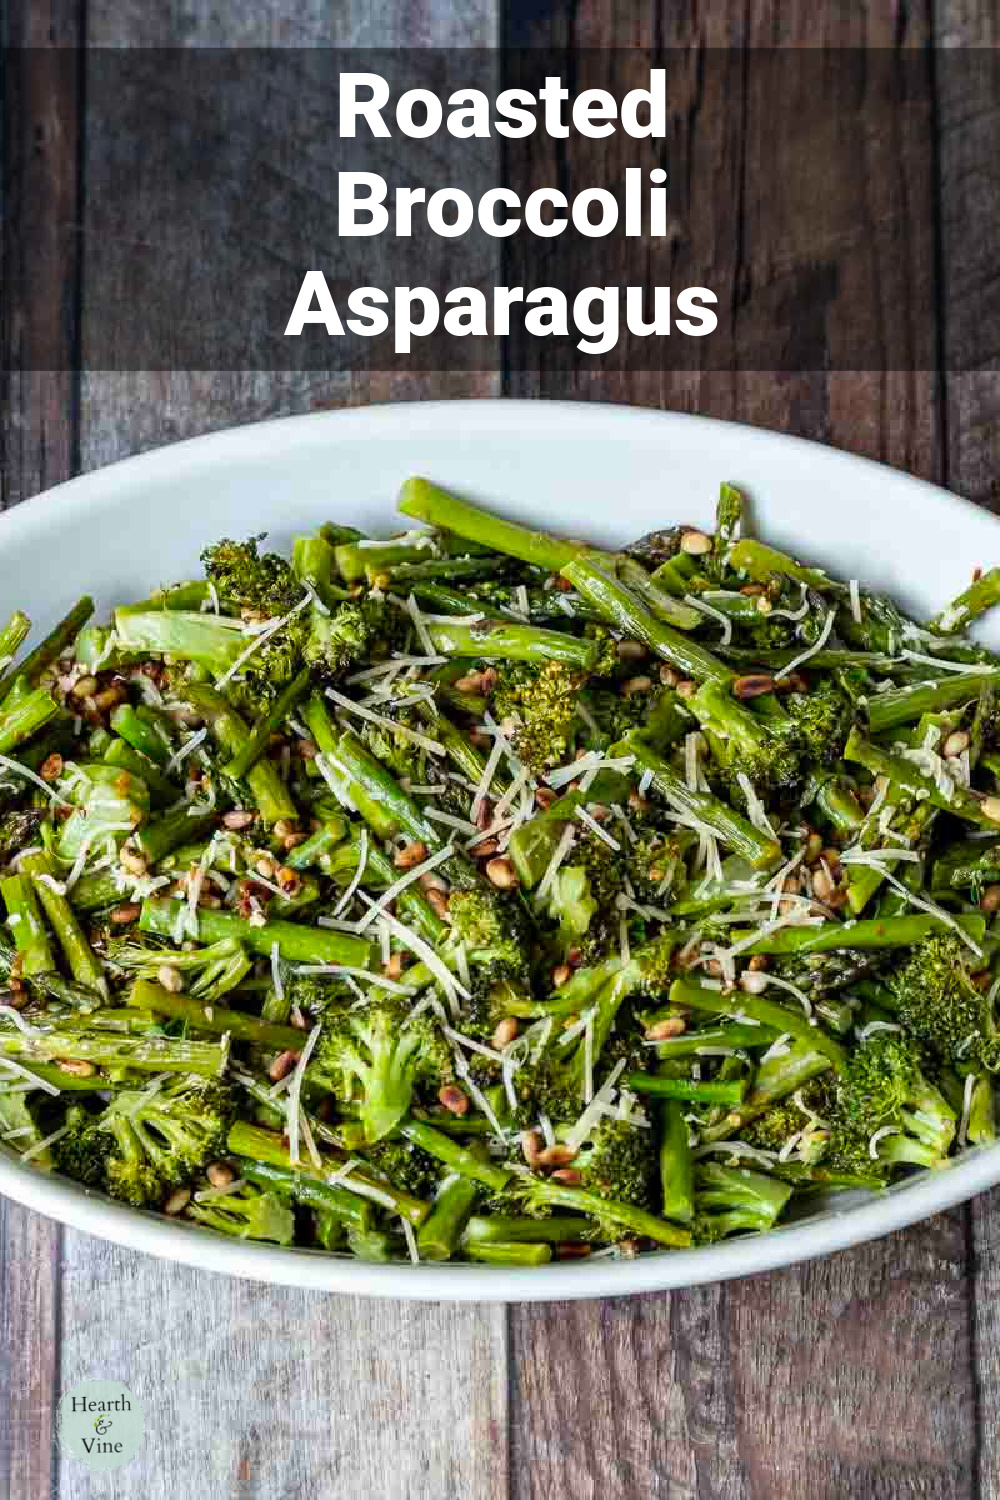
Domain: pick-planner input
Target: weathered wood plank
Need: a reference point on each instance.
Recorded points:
(38, 331)
(969, 188)
(851, 1375)
(266, 1391)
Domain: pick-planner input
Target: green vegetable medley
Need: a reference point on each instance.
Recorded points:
(476, 894)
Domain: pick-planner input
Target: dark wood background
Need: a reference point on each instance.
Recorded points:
(873, 1373)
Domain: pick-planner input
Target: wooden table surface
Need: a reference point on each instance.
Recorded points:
(873, 1373)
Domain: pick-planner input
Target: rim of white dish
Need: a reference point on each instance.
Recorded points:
(831, 1230)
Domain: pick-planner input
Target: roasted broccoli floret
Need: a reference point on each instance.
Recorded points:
(764, 751)
(934, 997)
(619, 1160)
(379, 1055)
(82, 1151)
(821, 721)
(247, 579)
(404, 1164)
(730, 1199)
(17, 829)
(355, 633)
(888, 1112)
(247, 1213)
(161, 1140)
(802, 1118)
(538, 706)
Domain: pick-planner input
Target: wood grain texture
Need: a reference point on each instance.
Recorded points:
(278, 1393)
(775, 1386)
(38, 329)
(969, 168)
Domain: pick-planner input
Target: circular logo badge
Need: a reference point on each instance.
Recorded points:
(101, 1424)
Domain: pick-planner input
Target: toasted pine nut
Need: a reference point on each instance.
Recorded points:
(293, 840)
(668, 676)
(109, 698)
(219, 1174)
(560, 974)
(957, 741)
(630, 650)
(393, 969)
(133, 861)
(51, 768)
(488, 680)
(308, 749)
(758, 963)
(568, 1176)
(814, 848)
(990, 807)
(505, 1033)
(439, 900)
(571, 1250)
(638, 804)
(472, 682)
(289, 880)
(753, 686)
(284, 827)
(990, 902)
(696, 543)
(282, 1066)
(671, 1026)
(822, 885)
(484, 847)
(544, 797)
(238, 819)
(501, 873)
(86, 687)
(411, 854)
(686, 688)
(636, 685)
(484, 817)
(170, 978)
(177, 1202)
(77, 1067)
(122, 915)
(558, 1155)
(265, 866)
(452, 1098)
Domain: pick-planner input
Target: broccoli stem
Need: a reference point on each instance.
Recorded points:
(296, 942)
(27, 927)
(321, 728)
(905, 705)
(171, 831)
(736, 1003)
(402, 574)
(310, 1192)
(313, 560)
(876, 932)
(509, 1255)
(455, 1157)
(190, 595)
(115, 1050)
(439, 1234)
(21, 719)
(503, 640)
(84, 964)
(623, 609)
(273, 799)
(676, 1169)
(734, 831)
(425, 502)
(217, 1020)
(267, 1148)
(258, 741)
(507, 1229)
(213, 641)
(625, 1216)
(331, 833)
(52, 647)
(982, 594)
(686, 1088)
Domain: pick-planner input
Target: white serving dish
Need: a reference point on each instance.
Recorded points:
(608, 473)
